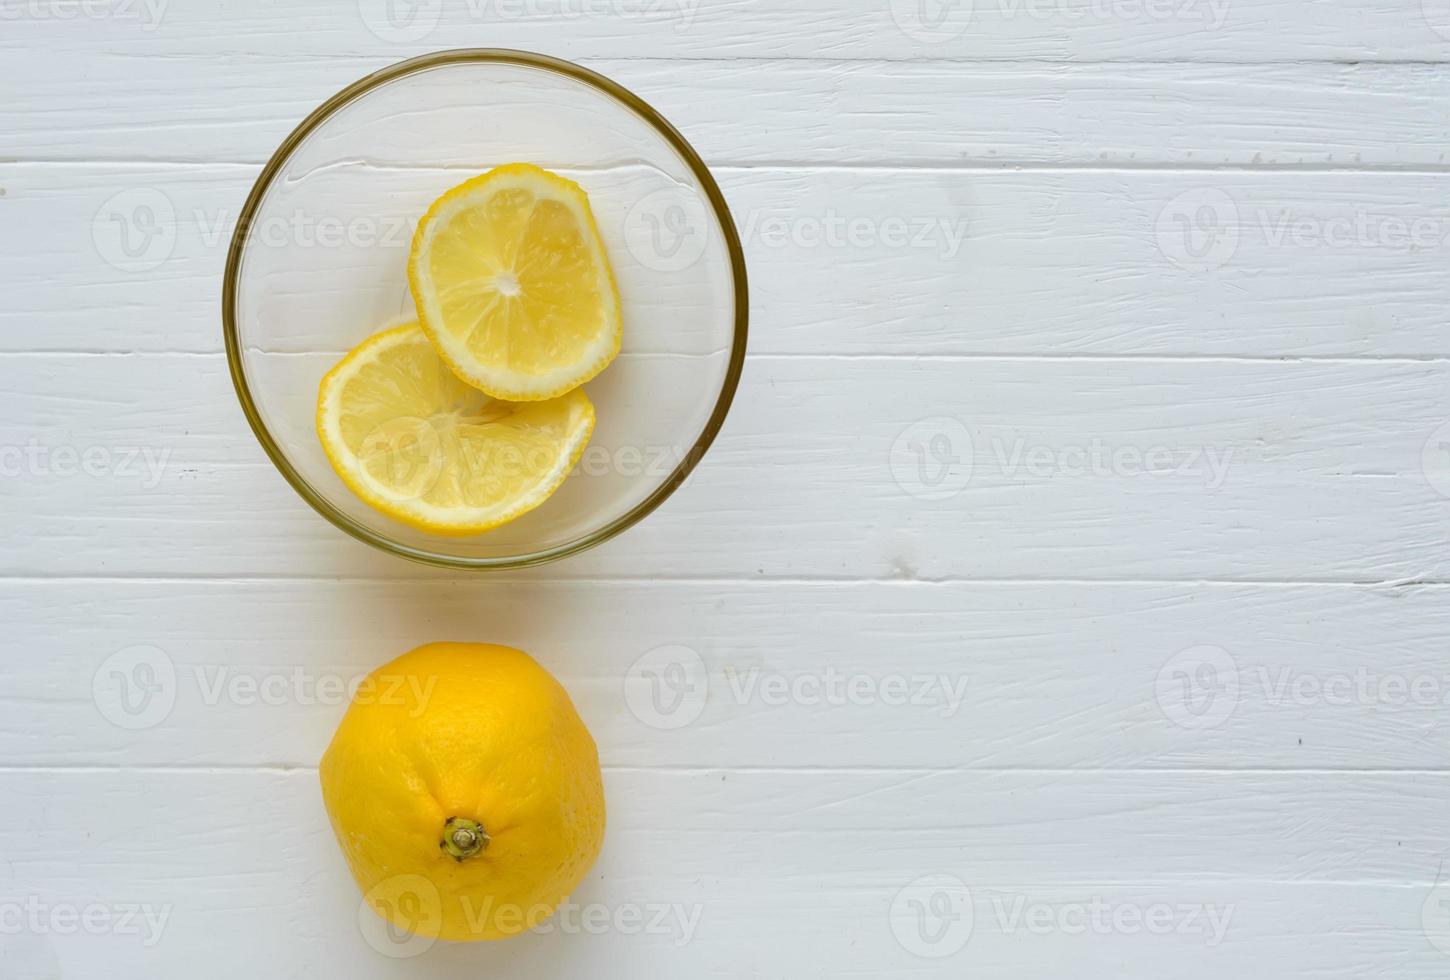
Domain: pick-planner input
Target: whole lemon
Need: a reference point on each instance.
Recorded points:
(465, 792)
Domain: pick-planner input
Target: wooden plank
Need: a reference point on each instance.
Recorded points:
(240, 868)
(1007, 30)
(841, 262)
(751, 113)
(1315, 471)
(1031, 675)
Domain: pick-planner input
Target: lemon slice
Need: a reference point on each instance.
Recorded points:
(513, 286)
(415, 442)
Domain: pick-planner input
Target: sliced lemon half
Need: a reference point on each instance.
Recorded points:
(513, 286)
(417, 443)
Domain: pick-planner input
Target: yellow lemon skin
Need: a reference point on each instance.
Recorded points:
(465, 792)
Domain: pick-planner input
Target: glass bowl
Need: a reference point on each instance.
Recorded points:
(318, 259)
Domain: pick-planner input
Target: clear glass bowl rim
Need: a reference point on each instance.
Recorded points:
(623, 96)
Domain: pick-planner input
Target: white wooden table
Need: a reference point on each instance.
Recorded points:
(1151, 681)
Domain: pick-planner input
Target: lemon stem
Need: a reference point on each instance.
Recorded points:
(463, 838)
